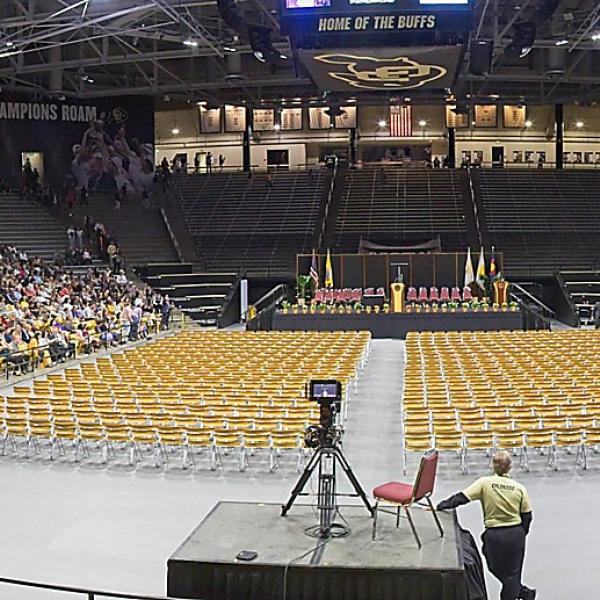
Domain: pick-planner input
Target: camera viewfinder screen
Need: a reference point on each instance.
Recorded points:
(324, 390)
(307, 3)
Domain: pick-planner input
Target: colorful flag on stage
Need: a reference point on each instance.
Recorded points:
(328, 271)
(493, 272)
(469, 275)
(314, 271)
(481, 270)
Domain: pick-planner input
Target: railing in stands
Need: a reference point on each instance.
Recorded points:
(327, 205)
(265, 307)
(171, 234)
(89, 593)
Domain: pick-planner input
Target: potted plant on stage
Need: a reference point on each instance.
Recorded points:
(465, 306)
(285, 307)
(452, 306)
(322, 308)
(303, 289)
(376, 309)
(444, 307)
(386, 307)
(513, 306)
(358, 307)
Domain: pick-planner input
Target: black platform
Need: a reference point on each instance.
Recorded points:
(351, 568)
(397, 325)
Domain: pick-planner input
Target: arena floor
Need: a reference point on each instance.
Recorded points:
(113, 529)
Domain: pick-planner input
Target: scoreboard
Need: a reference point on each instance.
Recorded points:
(324, 17)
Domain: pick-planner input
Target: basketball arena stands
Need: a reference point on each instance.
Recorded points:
(218, 392)
(467, 392)
(241, 222)
(31, 227)
(542, 220)
(392, 204)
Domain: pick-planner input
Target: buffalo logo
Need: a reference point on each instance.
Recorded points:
(368, 73)
(117, 115)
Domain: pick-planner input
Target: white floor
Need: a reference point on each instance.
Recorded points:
(115, 529)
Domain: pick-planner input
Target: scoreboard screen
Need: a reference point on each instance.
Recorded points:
(310, 17)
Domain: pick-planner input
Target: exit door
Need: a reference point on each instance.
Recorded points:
(497, 156)
(36, 160)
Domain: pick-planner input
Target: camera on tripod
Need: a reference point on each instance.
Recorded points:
(328, 393)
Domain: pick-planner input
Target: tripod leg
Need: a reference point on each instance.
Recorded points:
(352, 478)
(310, 467)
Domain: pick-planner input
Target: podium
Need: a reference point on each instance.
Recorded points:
(397, 295)
(501, 292)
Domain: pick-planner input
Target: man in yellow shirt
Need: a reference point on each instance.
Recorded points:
(507, 516)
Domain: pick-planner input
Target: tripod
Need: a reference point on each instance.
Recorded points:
(327, 458)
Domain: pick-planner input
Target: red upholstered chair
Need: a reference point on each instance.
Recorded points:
(434, 294)
(337, 296)
(356, 295)
(369, 291)
(444, 295)
(380, 291)
(411, 294)
(320, 296)
(329, 296)
(467, 294)
(404, 495)
(456, 297)
(423, 295)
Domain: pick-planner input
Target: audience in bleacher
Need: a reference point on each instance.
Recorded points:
(48, 313)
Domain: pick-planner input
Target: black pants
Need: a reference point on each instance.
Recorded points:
(504, 551)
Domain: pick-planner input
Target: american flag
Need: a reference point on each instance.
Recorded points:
(400, 121)
(314, 271)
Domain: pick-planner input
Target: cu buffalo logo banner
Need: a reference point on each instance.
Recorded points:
(370, 73)
(117, 116)
(383, 69)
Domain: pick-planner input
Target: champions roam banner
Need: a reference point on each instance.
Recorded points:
(103, 143)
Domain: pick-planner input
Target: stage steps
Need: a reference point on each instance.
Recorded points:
(584, 289)
(210, 299)
(31, 227)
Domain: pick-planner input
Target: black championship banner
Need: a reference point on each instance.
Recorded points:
(291, 119)
(347, 120)
(486, 115)
(235, 118)
(383, 69)
(102, 144)
(210, 120)
(456, 120)
(318, 118)
(514, 116)
(263, 119)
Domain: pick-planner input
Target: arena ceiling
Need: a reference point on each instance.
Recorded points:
(182, 49)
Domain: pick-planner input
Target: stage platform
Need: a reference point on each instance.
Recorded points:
(350, 568)
(397, 325)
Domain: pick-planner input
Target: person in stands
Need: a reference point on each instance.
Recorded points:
(209, 159)
(507, 517)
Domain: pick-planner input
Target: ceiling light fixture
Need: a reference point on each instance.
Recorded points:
(175, 131)
(229, 49)
(422, 123)
(561, 42)
(528, 124)
(190, 42)
(595, 37)
(382, 123)
(579, 124)
(277, 127)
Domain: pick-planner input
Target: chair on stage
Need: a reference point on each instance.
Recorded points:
(444, 295)
(320, 296)
(423, 295)
(467, 294)
(380, 291)
(329, 296)
(337, 296)
(434, 294)
(411, 294)
(369, 291)
(404, 495)
(455, 296)
(356, 295)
